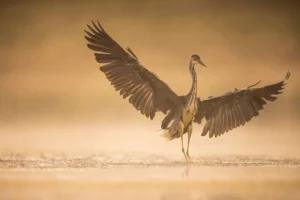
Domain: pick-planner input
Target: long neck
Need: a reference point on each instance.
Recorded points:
(192, 95)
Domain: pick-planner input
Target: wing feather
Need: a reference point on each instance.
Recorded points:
(235, 108)
(146, 92)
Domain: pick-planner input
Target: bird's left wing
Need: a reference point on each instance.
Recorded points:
(233, 109)
(146, 92)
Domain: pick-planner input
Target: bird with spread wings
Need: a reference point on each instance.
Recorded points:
(149, 95)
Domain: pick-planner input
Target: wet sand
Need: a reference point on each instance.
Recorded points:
(97, 177)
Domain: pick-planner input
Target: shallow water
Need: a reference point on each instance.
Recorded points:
(101, 177)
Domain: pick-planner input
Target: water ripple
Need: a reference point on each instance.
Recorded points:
(23, 161)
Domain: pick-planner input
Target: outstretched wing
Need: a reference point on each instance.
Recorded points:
(145, 90)
(235, 108)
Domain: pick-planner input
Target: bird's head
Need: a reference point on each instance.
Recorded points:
(196, 60)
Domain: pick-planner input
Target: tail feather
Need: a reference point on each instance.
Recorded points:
(170, 126)
(166, 134)
(172, 132)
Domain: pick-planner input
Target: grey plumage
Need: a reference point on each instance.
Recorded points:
(148, 94)
(235, 108)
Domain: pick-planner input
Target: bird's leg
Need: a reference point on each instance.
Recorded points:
(190, 130)
(181, 129)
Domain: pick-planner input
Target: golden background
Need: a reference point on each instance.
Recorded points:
(53, 98)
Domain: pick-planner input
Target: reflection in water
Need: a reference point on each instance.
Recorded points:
(207, 182)
(186, 171)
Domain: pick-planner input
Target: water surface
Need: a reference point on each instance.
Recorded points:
(101, 177)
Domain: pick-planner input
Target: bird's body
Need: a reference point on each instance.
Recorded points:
(148, 94)
(188, 114)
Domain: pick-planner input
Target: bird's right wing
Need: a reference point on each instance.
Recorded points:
(233, 109)
(145, 90)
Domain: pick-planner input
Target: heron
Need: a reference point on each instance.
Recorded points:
(148, 94)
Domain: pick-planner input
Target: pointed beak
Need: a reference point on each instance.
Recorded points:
(201, 63)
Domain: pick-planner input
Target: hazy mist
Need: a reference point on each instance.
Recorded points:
(54, 98)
